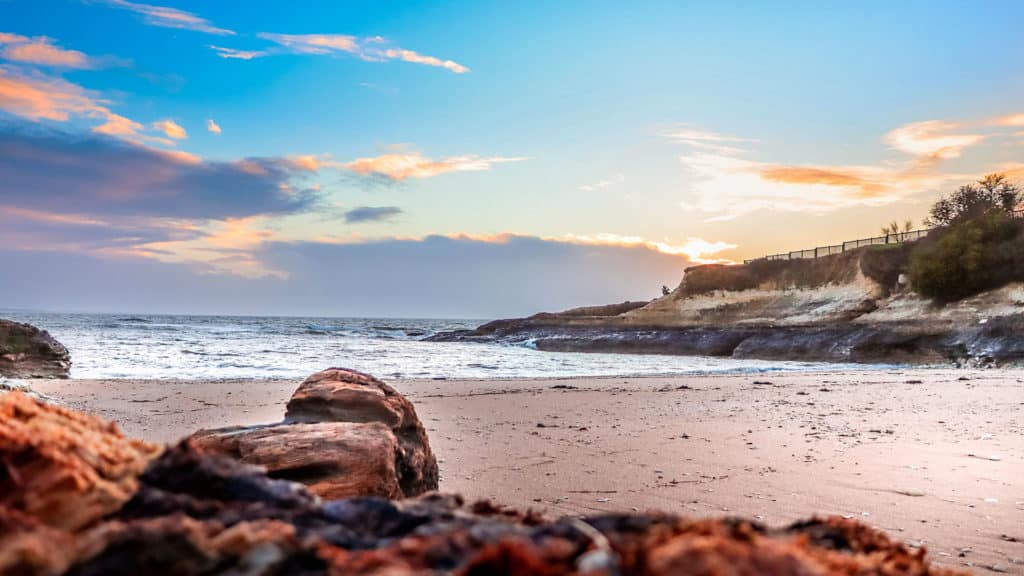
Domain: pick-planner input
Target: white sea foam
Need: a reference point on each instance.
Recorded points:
(223, 347)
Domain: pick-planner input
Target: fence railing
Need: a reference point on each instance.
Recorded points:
(894, 238)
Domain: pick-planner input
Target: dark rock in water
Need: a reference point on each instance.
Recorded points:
(28, 352)
(1000, 341)
(345, 434)
(198, 513)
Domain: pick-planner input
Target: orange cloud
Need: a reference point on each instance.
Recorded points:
(839, 177)
(726, 184)
(212, 126)
(40, 50)
(401, 166)
(171, 129)
(39, 97)
(307, 163)
(218, 247)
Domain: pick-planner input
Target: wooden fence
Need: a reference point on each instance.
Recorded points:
(897, 238)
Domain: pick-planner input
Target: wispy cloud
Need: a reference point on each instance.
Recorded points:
(372, 49)
(404, 165)
(703, 139)
(42, 51)
(314, 43)
(371, 214)
(166, 17)
(234, 54)
(602, 184)
(212, 126)
(934, 139)
(171, 129)
(728, 184)
(694, 249)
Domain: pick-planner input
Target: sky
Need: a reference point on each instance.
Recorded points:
(473, 159)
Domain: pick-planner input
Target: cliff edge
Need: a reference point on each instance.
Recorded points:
(851, 307)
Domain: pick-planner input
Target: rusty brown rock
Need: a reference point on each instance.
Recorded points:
(65, 468)
(345, 434)
(30, 548)
(333, 459)
(199, 514)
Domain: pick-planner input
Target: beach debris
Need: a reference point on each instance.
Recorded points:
(989, 457)
(345, 434)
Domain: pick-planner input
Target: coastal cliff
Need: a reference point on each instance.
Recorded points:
(851, 307)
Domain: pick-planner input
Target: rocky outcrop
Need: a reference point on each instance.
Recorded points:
(849, 307)
(345, 434)
(201, 514)
(28, 352)
(64, 468)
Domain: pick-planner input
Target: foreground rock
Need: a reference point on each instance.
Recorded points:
(28, 352)
(63, 468)
(345, 434)
(200, 514)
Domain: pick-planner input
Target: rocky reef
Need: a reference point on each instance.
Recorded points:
(850, 307)
(190, 511)
(28, 352)
(345, 434)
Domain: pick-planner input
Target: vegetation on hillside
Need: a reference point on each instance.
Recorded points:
(980, 244)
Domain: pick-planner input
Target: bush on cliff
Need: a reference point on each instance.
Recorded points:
(969, 257)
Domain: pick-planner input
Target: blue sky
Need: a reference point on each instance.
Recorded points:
(679, 132)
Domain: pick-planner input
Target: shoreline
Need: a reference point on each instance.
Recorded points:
(922, 453)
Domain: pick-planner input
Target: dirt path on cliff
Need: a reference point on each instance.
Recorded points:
(935, 457)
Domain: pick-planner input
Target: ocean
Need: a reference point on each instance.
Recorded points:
(229, 347)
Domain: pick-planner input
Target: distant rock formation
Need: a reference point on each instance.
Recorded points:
(195, 513)
(345, 434)
(849, 307)
(28, 352)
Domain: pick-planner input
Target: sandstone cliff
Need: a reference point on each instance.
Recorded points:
(850, 307)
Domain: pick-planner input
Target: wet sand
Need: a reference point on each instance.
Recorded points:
(934, 457)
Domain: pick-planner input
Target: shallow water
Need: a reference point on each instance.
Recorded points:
(222, 347)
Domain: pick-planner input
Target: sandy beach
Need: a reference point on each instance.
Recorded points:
(934, 457)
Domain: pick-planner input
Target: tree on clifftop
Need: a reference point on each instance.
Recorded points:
(993, 193)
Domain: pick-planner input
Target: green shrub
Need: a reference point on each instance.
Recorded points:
(969, 257)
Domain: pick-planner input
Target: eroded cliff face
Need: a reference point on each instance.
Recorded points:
(851, 307)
